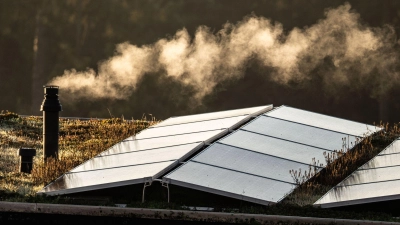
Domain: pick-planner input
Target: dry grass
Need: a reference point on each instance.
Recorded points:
(313, 184)
(79, 141)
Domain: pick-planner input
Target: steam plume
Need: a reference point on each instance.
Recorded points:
(360, 55)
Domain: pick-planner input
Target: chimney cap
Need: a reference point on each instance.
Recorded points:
(50, 102)
(27, 152)
(51, 86)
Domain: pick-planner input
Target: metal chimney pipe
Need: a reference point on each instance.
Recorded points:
(51, 107)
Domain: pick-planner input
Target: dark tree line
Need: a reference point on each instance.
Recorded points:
(39, 39)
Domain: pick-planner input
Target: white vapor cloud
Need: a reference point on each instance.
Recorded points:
(359, 54)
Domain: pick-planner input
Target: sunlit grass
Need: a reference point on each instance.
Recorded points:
(79, 141)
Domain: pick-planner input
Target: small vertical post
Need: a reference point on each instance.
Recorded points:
(146, 184)
(26, 159)
(166, 186)
(51, 107)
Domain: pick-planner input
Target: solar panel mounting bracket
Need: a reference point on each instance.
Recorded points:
(166, 186)
(147, 182)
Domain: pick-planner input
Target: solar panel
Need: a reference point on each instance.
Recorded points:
(372, 175)
(360, 194)
(377, 180)
(249, 162)
(253, 111)
(275, 147)
(216, 124)
(322, 121)
(299, 133)
(152, 152)
(229, 183)
(138, 157)
(164, 141)
(104, 178)
(382, 161)
(259, 155)
(394, 148)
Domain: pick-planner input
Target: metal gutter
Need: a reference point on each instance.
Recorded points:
(84, 210)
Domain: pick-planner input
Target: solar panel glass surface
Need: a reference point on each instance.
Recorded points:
(249, 162)
(275, 147)
(303, 134)
(322, 121)
(214, 115)
(229, 183)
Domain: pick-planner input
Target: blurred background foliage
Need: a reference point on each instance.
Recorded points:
(39, 39)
